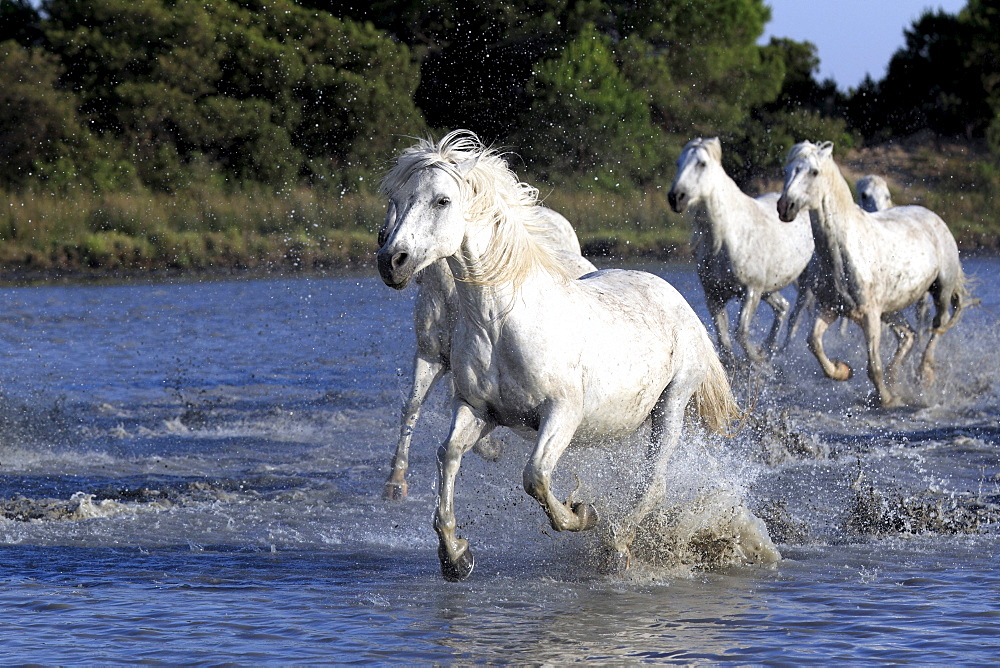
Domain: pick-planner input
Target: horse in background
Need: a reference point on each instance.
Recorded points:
(742, 250)
(589, 359)
(869, 266)
(873, 193)
(435, 315)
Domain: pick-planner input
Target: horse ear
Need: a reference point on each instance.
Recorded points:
(466, 166)
(714, 147)
(826, 149)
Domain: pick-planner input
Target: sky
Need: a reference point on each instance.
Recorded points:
(853, 37)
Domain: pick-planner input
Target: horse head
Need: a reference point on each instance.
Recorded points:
(698, 159)
(873, 193)
(805, 164)
(428, 192)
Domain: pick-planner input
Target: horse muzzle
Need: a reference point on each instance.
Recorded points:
(786, 209)
(678, 202)
(394, 268)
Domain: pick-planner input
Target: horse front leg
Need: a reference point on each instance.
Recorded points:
(834, 369)
(751, 300)
(456, 558)
(717, 309)
(779, 305)
(871, 323)
(426, 372)
(804, 298)
(554, 435)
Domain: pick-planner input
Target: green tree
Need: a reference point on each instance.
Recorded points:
(803, 109)
(586, 122)
(699, 61)
(39, 125)
(269, 92)
(19, 20)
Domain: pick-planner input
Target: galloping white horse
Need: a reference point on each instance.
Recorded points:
(536, 350)
(743, 251)
(869, 266)
(435, 315)
(873, 193)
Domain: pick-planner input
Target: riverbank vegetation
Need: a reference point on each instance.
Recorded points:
(231, 135)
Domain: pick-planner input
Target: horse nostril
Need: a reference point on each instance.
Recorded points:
(398, 260)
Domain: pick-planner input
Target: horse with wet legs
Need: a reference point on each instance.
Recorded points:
(588, 359)
(872, 192)
(742, 250)
(870, 266)
(435, 315)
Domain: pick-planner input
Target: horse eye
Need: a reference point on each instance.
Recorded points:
(444, 201)
(814, 172)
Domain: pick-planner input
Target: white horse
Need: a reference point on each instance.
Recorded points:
(587, 359)
(435, 315)
(869, 266)
(742, 250)
(873, 193)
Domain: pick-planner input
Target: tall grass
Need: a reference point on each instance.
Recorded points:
(208, 228)
(630, 225)
(190, 230)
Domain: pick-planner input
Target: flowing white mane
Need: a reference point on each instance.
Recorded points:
(492, 196)
(806, 150)
(711, 145)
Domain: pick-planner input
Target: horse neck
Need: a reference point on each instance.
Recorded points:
(837, 216)
(720, 203)
(486, 306)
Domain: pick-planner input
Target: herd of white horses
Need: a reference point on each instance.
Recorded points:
(538, 340)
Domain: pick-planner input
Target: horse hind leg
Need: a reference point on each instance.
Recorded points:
(667, 421)
(944, 319)
(804, 299)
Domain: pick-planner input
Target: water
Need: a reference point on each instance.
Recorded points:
(191, 472)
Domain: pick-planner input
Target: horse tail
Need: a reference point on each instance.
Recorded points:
(961, 297)
(713, 400)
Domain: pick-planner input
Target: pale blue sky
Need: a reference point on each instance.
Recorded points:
(853, 37)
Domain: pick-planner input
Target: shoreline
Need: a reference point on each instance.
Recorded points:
(11, 276)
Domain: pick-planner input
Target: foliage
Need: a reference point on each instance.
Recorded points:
(269, 92)
(598, 128)
(946, 79)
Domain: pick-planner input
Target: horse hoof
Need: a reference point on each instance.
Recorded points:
(587, 515)
(459, 569)
(394, 491)
(841, 371)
